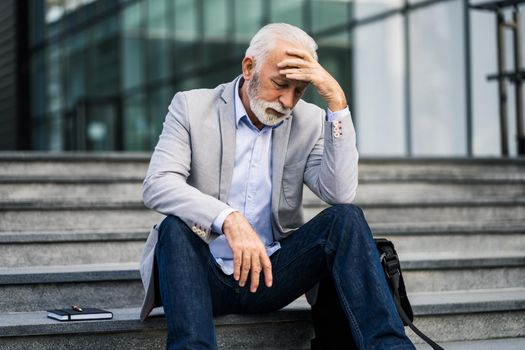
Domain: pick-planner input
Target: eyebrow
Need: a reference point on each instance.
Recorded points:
(280, 79)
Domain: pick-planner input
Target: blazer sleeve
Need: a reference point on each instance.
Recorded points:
(165, 188)
(332, 166)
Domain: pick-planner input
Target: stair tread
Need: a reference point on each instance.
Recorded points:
(120, 271)
(459, 190)
(447, 227)
(69, 273)
(80, 156)
(26, 323)
(468, 296)
(65, 204)
(364, 178)
(488, 344)
(102, 235)
(461, 259)
(467, 301)
(141, 233)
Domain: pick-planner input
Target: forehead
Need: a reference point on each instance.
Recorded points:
(278, 54)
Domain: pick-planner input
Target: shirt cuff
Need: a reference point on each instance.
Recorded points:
(216, 226)
(333, 116)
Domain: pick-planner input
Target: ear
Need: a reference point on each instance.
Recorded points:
(248, 68)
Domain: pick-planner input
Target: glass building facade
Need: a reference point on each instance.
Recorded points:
(102, 72)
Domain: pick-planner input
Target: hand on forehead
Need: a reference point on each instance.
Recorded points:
(293, 57)
(288, 56)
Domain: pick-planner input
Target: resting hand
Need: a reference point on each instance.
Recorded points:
(304, 67)
(249, 253)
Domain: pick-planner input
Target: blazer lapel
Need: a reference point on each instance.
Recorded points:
(280, 139)
(227, 129)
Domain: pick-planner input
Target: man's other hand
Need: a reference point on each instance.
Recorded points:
(249, 253)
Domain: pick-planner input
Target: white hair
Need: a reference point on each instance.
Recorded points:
(264, 41)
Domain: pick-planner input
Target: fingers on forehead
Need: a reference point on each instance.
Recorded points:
(293, 60)
(296, 52)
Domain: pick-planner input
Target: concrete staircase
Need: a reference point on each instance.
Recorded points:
(72, 228)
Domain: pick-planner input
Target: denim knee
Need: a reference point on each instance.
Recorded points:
(171, 227)
(349, 217)
(347, 210)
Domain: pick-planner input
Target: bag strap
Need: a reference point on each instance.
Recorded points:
(393, 275)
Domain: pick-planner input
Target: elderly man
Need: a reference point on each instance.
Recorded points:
(228, 173)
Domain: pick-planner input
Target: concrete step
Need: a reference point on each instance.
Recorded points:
(35, 288)
(511, 210)
(44, 248)
(470, 315)
(81, 246)
(118, 285)
(23, 216)
(121, 164)
(111, 163)
(463, 271)
(289, 328)
(371, 188)
(395, 191)
(488, 344)
(447, 167)
(26, 216)
(60, 189)
(450, 237)
(445, 317)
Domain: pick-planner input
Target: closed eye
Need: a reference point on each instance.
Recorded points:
(280, 86)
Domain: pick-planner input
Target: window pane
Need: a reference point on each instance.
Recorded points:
(216, 31)
(75, 66)
(366, 8)
(329, 13)
(187, 55)
(38, 85)
(438, 80)
(103, 56)
(159, 42)
(379, 88)
(289, 11)
(37, 25)
(136, 131)
(159, 100)
(248, 19)
(132, 58)
(485, 111)
(54, 88)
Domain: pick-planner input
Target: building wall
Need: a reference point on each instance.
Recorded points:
(102, 72)
(8, 72)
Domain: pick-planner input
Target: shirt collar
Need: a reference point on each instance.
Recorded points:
(240, 111)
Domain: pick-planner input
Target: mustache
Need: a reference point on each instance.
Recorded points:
(276, 106)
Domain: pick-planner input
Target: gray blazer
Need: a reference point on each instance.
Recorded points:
(191, 169)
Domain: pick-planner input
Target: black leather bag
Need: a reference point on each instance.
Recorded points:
(394, 276)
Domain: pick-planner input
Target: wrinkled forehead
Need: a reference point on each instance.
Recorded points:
(278, 53)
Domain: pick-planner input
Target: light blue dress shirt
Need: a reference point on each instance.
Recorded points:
(251, 187)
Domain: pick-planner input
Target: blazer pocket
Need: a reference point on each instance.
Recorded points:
(292, 185)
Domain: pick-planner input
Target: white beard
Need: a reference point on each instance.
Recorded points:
(259, 106)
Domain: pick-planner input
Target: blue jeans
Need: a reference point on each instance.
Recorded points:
(336, 244)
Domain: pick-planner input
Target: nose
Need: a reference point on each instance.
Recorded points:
(287, 98)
